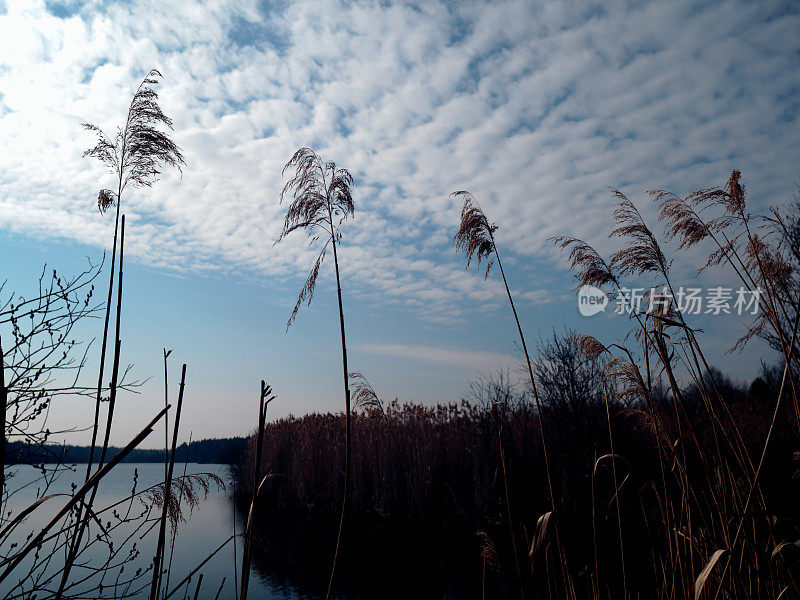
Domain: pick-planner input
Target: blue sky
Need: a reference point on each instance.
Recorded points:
(535, 107)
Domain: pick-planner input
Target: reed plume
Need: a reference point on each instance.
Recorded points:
(475, 237)
(136, 155)
(321, 199)
(588, 267)
(364, 396)
(642, 253)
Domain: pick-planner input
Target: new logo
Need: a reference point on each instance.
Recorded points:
(591, 300)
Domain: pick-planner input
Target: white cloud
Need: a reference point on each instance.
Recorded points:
(466, 359)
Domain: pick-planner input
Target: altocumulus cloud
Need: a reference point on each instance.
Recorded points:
(534, 106)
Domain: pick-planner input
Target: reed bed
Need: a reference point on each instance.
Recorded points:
(659, 478)
(440, 466)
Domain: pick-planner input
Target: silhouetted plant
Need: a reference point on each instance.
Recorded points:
(712, 453)
(40, 359)
(321, 199)
(265, 398)
(136, 155)
(475, 237)
(167, 501)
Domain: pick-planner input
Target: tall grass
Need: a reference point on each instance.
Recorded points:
(158, 559)
(136, 154)
(717, 527)
(475, 237)
(674, 482)
(322, 199)
(265, 398)
(440, 467)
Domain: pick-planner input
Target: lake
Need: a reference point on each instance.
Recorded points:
(210, 523)
(391, 564)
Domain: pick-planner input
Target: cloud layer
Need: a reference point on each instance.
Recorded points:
(535, 107)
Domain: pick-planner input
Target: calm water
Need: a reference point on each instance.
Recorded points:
(381, 562)
(210, 524)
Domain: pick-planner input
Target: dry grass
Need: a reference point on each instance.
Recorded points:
(322, 199)
(717, 529)
(677, 483)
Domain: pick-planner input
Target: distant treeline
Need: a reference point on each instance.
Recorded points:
(219, 451)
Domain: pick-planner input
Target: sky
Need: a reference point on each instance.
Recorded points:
(535, 107)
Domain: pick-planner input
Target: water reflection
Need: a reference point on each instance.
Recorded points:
(389, 561)
(291, 555)
(210, 523)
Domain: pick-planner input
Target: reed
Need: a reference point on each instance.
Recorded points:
(711, 460)
(475, 237)
(136, 155)
(158, 559)
(81, 523)
(322, 199)
(264, 399)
